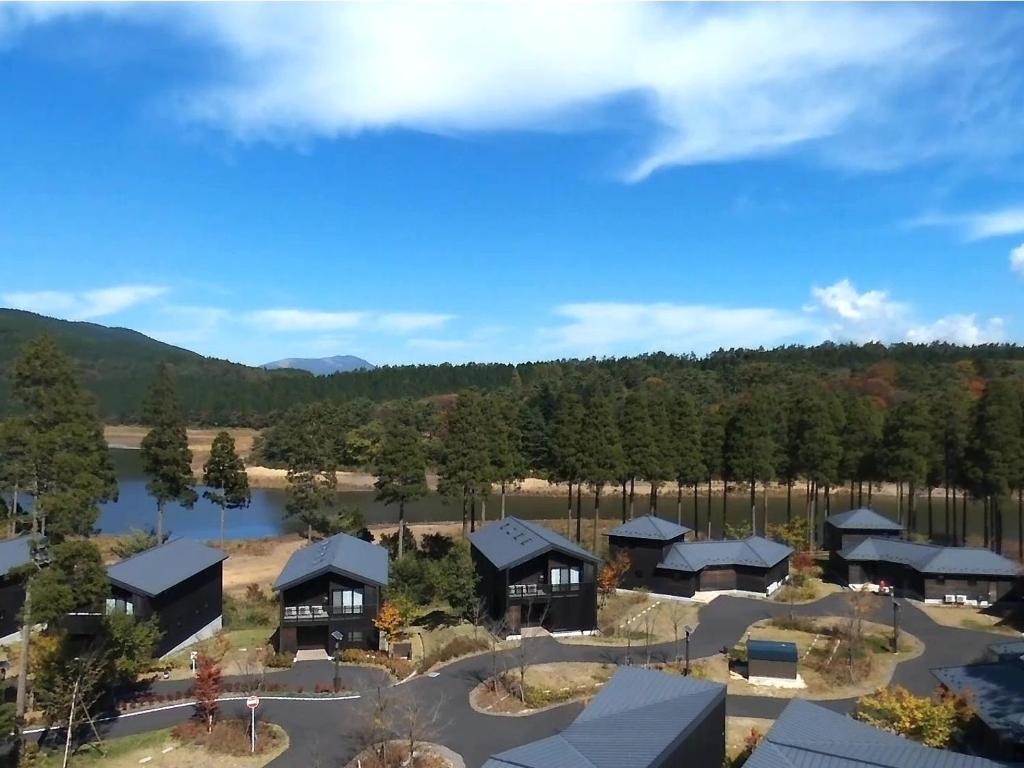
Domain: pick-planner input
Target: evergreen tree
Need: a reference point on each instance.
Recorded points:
(15, 467)
(712, 449)
(751, 442)
(659, 467)
(70, 472)
(994, 453)
(603, 461)
(401, 466)
(464, 466)
(227, 484)
(817, 428)
(950, 417)
(687, 460)
(568, 452)
(637, 441)
(906, 447)
(504, 441)
(312, 475)
(860, 442)
(166, 457)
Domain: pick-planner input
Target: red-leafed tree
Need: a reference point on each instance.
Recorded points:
(207, 687)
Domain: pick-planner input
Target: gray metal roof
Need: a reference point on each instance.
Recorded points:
(771, 650)
(863, 519)
(15, 552)
(754, 551)
(512, 541)
(638, 716)
(808, 735)
(650, 527)
(160, 568)
(340, 553)
(931, 558)
(1010, 650)
(997, 693)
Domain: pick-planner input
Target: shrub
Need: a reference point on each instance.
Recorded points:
(400, 668)
(255, 610)
(229, 737)
(278, 660)
(794, 623)
(457, 646)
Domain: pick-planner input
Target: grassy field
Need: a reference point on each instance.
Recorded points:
(969, 617)
(129, 751)
(199, 440)
(628, 618)
(243, 643)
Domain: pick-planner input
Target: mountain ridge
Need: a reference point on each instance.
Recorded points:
(321, 366)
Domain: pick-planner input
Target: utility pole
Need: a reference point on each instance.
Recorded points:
(71, 720)
(40, 548)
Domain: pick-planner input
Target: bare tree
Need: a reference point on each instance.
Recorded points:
(374, 731)
(859, 606)
(524, 650)
(252, 668)
(498, 630)
(415, 722)
(677, 615)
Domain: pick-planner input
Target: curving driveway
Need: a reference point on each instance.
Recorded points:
(325, 733)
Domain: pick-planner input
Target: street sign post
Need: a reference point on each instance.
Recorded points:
(252, 702)
(192, 656)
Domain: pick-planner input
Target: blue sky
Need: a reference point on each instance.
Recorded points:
(427, 183)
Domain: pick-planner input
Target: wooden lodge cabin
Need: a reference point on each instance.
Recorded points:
(848, 528)
(14, 554)
(641, 719)
(331, 586)
(666, 564)
(531, 576)
(180, 582)
(935, 574)
(644, 541)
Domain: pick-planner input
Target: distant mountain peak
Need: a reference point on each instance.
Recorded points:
(322, 366)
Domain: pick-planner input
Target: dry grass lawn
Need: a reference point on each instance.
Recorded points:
(129, 751)
(876, 639)
(628, 618)
(737, 731)
(968, 617)
(257, 562)
(199, 440)
(551, 681)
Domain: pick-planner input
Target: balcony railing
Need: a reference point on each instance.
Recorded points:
(320, 612)
(526, 590)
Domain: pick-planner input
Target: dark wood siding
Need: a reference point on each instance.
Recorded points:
(835, 539)
(765, 668)
(12, 598)
(357, 630)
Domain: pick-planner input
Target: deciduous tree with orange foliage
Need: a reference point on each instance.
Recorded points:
(390, 620)
(207, 686)
(611, 574)
(931, 720)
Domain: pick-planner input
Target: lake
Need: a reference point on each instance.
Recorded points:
(265, 516)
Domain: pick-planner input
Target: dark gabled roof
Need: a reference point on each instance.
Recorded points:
(1010, 650)
(650, 527)
(931, 558)
(15, 552)
(807, 735)
(771, 650)
(696, 555)
(512, 541)
(158, 569)
(635, 719)
(997, 693)
(864, 519)
(340, 553)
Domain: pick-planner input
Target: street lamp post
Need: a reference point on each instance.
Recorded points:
(687, 629)
(337, 637)
(895, 624)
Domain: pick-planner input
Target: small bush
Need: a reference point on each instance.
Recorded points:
(229, 737)
(794, 623)
(257, 609)
(278, 660)
(457, 646)
(400, 668)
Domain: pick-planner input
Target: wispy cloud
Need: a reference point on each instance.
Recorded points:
(1017, 259)
(979, 225)
(705, 83)
(406, 322)
(304, 320)
(83, 305)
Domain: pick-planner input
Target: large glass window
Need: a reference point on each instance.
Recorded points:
(563, 579)
(117, 605)
(347, 601)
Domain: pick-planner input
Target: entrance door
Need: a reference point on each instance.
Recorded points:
(312, 638)
(514, 616)
(536, 613)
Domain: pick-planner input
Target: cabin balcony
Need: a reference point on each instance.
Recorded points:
(314, 614)
(527, 590)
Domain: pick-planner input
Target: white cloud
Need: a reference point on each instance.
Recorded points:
(710, 82)
(305, 320)
(602, 328)
(83, 305)
(979, 225)
(404, 322)
(1017, 259)
(873, 316)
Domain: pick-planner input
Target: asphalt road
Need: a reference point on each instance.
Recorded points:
(326, 733)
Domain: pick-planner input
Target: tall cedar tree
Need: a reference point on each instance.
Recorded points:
(906, 449)
(817, 442)
(166, 457)
(860, 440)
(15, 467)
(504, 441)
(568, 453)
(659, 467)
(464, 467)
(637, 442)
(751, 442)
(312, 477)
(225, 478)
(712, 450)
(950, 415)
(401, 466)
(687, 459)
(70, 471)
(603, 461)
(994, 454)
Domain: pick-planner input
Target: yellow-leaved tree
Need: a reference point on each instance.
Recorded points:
(931, 720)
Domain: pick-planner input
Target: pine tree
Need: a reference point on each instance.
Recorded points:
(225, 478)
(659, 467)
(950, 416)
(401, 466)
(464, 466)
(906, 447)
(637, 440)
(312, 478)
(70, 471)
(603, 460)
(567, 449)
(860, 443)
(817, 429)
(687, 459)
(166, 457)
(504, 441)
(712, 449)
(15, 467)
(751, 442)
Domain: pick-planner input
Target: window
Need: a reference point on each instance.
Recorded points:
(117, 605)
(565, 579)
(347, 601)
(355, 637)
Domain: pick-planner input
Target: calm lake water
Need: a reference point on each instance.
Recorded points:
(265, 516)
